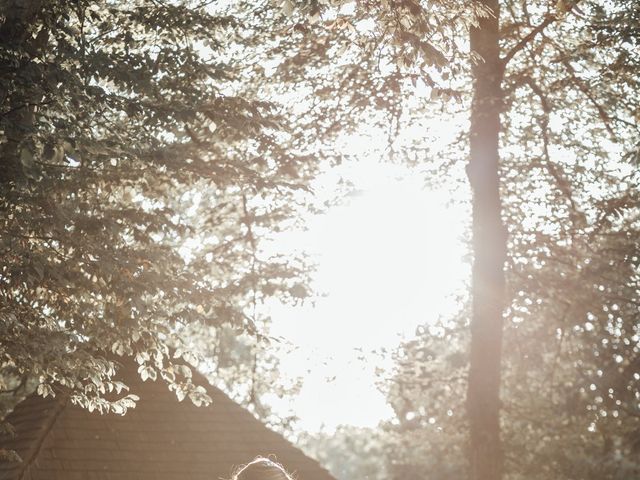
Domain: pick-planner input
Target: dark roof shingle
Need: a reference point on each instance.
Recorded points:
(161, 439)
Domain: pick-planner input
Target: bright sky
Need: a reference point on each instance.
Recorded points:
(388, 260)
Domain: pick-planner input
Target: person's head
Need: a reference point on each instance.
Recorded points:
(262, 469)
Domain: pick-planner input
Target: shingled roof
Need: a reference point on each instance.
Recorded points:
(161, 439)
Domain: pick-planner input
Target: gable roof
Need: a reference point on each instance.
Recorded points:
(160, 439)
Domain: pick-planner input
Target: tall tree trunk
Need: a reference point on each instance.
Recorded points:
(489, 248)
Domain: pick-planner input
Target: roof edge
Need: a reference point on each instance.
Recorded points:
(58, 405)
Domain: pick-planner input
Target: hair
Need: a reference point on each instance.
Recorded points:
(261, 469)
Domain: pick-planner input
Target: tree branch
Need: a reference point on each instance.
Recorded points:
(523, 43)
(577, 81)
(554, 170)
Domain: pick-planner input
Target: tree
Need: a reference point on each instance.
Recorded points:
(141, 168)
(533, 155)
(570, 378)
(551, 63)
(138, 178)
(247, 368)
(489, 250)
(151, 122)
(573, 341)
(529, 66)
(533, 63)
(426, 389)
(145, 156)
(348, 452)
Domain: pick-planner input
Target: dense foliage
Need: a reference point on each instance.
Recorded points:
(349, 452)
(138, 176)
(570, 370)
(570, 382)
(569, 183)
(147, 148)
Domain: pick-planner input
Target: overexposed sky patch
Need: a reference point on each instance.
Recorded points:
(390, 258)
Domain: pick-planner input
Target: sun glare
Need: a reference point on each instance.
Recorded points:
(389, 259)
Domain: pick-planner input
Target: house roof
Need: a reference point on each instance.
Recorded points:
(161, 439)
